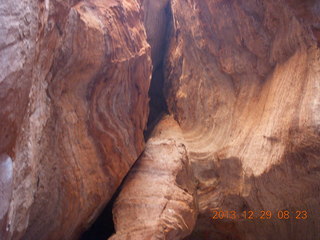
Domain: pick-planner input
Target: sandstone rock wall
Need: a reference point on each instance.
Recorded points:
(241, 82)
(74, 104)
(158, 198)
(249, 110)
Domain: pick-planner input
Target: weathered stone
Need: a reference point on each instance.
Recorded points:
(158, 198)
(74, 104)
(249, 111)
(241, 81)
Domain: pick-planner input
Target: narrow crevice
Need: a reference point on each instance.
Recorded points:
(103, 227)
(157, 105)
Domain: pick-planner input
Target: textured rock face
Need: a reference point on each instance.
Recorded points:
(74, 95)
(158, 198)
(249, 111)
(17, 52)
(242, 90)
(242, 80)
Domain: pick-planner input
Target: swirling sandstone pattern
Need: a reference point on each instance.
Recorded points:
(74, 95)
(242, 80)
(249, 111)
(158, 199)
(242, 90)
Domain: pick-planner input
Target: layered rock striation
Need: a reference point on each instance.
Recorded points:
(242, 81)
(241, 90)
(158, 198)
(249, 111)
(74, 103)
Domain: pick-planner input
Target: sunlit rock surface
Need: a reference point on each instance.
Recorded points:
(158, 198)
(242, 80)
(74, 104)
(242, 93)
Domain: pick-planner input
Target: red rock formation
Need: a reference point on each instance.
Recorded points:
(157, 201)
(241, 81)
(74, 105)
(249, 112)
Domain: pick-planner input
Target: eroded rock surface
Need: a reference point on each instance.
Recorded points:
(158, 198)
(74, 104)
(249, 111)
(241, 81)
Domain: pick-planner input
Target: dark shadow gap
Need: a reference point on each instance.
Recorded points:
(103, 226)
(157, 105)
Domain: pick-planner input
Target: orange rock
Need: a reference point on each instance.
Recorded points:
(73, 109)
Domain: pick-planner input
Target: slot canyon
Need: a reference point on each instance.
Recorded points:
(160, 120)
